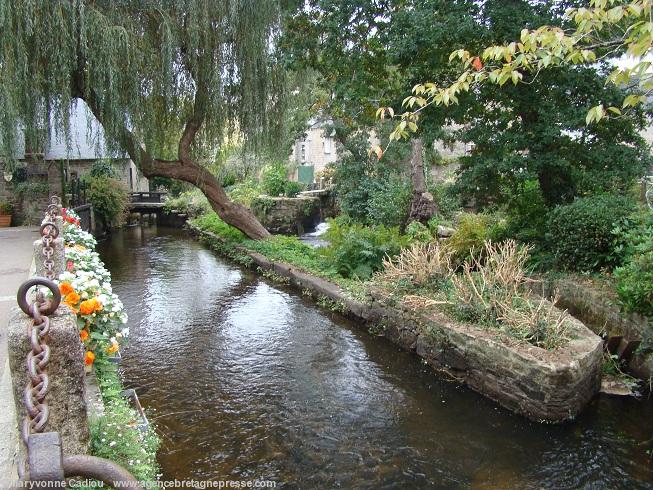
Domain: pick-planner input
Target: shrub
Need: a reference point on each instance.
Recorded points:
(421, 264)
(6, 207)
(358, 251)
(635, 284)
(635, 278)
(273, 180)
(419, 232)
(245, 192)
(388, 202)
(490, 291)
(580, 234)
(291, 188)
(109, 198)
(472, 231)
(449, 202)
(192, 203)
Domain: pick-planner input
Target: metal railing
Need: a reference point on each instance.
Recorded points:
(44, 459)
(150, 197)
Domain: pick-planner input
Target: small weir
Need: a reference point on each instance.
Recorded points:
(246, 379)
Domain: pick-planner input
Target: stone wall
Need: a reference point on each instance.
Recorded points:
(551, 386)
(599, 310)
(287, 215)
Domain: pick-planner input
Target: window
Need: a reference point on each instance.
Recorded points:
(303, 152)
(326, 145)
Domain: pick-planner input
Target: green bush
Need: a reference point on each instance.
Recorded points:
(388, 202)
(635, 284)
(109, 198)
(472, 231)
(419, 232)
(635, 278)
(245, 192)
(192, 203)
(580, 235)
(358, 251)
(448, 200)
(273, 180)
(291, 188)
(6, 207)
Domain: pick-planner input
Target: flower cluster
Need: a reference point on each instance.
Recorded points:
(73, 234)
(86, 289)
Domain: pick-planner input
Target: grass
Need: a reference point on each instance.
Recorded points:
(115, 436)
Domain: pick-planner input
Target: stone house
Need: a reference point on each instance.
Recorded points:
(311, 154)
(45, 171)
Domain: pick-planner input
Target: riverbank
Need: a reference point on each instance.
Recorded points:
(544, 386)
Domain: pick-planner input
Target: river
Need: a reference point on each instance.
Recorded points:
(246, 379)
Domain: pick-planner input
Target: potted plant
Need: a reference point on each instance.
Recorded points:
(5, 214)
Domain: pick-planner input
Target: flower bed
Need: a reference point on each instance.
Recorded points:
(86, 289)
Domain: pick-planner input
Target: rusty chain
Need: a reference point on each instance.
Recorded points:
(44, 459)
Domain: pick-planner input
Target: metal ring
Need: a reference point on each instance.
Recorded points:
(53, 210)
(54, 234)
(53, 303)
(55, 200)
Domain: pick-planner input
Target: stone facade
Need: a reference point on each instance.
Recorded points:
(287, 215)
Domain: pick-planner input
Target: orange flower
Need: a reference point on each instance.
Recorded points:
(83, 335)
(72, 299)
(89, 358)
(66, 288)
(90, 306)
(114, 348)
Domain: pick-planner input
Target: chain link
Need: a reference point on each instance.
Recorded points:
(38, 381)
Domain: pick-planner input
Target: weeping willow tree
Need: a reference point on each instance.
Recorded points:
(195, 72)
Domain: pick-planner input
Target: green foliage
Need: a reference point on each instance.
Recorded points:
(635, 283)
(472, 231)
(192, 203)
(580, 235)
(109, 198)
(138, 63)
(114, 436)
(635, 277)
(31, 188)
(447, 199)
(245, 192)
(6, 207)
(291, 188)
(293, 251)
(103, 168)
(358, 251)
(212, 222)
(369, 191)
(419, 232)
(273, 179)
(389, 201)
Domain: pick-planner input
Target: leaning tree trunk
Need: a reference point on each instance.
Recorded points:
(187, 170)
(229, 211)
(422, 206)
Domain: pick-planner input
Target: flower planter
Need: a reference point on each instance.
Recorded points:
(5, 220)
(131, 395)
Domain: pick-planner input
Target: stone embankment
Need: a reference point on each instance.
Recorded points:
(548, 386)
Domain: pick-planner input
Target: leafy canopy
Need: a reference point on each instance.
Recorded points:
(152, 66)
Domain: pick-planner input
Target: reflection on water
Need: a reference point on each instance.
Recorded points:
(247, 380)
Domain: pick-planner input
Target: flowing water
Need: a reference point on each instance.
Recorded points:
(245, 379)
